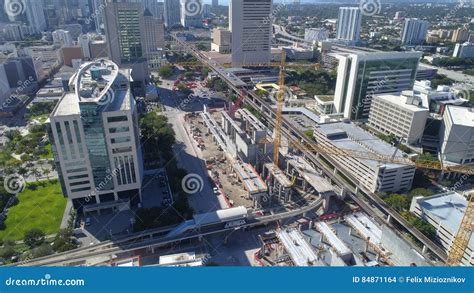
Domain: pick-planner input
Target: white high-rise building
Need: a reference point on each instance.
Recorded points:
(414, 31)
(62, 38)
(361, 75)
(465, 50)
(348, 23)
(84, 42)
(172, 13)
(400, 115)
(93, 131)
(250, 22)
(457, 135)
(191, 13)
(35, 14)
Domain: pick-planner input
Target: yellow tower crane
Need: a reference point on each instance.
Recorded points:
(280, 101)
(463, 235)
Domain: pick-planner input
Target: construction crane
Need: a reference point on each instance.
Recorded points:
(421, 164)
(280, 101)
(463, 235)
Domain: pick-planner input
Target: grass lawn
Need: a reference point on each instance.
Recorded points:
(41, 208)
(49, 155)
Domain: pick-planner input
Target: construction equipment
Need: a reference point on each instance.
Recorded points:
(337, 151)
(279, 114)
(316, 66)
(463, 236)
(421, 164)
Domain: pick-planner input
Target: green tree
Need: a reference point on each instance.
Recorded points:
(398, 201)
(427, 157)
(166, 71)
(34, 237)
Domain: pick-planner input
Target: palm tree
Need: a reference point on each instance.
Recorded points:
(22, 171)
(46, 172)
(35, 172)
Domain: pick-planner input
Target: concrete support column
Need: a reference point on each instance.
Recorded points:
(423, 251)
(388, 219)
(326, 203)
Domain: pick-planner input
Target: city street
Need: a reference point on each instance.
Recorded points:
(204, 200)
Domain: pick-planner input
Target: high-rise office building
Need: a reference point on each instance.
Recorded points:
(84, 41)
(155, 7)
(348, 23)
(414, 31)
(132, 35)
(457, 135)
(250, 22)
(154, 39)
(191, 13)
(215, 3)
(96, 15)
(13, 32)
(172, 13)
(122, 22)
(132, 32)
(221, 40)
(35, 14)
(62, 38)
(465, 50)
(360, 75)
(399, 115)
(93, 131)
(460, 35)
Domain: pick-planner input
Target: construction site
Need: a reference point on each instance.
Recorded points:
(350, 240)
(238, 150)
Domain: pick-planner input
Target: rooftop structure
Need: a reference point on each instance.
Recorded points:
(339, 246)
(362, 75)
(366, 227)
(220, 216)
(185, 259)
(251, 181)
(309, 174)
(299, 250)
(399, 115)
(444, 211)
(93, 135)
(457, 134)
(375, 176)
